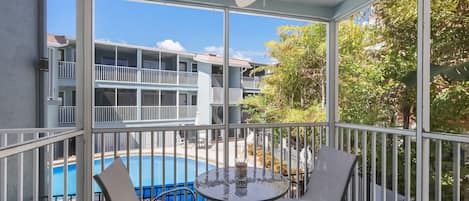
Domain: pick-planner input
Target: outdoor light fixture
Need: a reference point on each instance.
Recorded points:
(244, 3)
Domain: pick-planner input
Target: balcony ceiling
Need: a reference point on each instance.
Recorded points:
(318, 10)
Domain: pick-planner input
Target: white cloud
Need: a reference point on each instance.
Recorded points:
(240, 55)
(169, 44)
(273, 61)
(237, 54)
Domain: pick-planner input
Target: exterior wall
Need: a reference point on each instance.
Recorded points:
(19, 55)
(203, 93)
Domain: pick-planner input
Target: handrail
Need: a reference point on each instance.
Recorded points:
(159, 128)
(33, 144)
(35, 130)
(447, 137)
(276, 125)
(377, 129)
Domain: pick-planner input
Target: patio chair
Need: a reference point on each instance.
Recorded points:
(330, 177)
(116, 185)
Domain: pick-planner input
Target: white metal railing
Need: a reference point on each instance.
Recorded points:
(385, 153)
(251, 82)
(204, 145)
(159, 76)
(115, 73)
(385, 170)
(22, 147)
(66, 70)
(187, 111)
(66, 115)
(188, 78)
(115, 113)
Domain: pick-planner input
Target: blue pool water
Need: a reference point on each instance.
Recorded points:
(134, 162)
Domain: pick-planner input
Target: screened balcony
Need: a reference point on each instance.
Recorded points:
(82, 151)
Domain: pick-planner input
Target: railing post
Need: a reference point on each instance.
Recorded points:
(85, 82)
(332, 81)
(423, 98)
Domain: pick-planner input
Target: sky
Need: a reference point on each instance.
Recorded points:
(170, 27)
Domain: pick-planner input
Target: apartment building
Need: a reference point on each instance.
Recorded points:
(138, 86)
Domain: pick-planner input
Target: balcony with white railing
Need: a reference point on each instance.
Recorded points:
(250, 82)
(115, 73)
(66, 115)
(66, 70)
(109, 114)
(385, 170)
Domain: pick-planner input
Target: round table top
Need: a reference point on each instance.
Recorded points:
(219, 184)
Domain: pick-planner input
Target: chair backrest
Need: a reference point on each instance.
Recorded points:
(331, 175)
(115, 183)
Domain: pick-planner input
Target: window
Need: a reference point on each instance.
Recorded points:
(74, 96)
(194, 99)
(126, 97)
(62, 98)
(122, 62)
(150, 98)
(194, 67)
(183, 66)
(105, 97)
(183, 99)
(168, 98)
(150, 64)
(61, 55)
(106, 60)
(168, 61)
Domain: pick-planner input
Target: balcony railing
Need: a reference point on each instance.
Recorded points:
(250, 82)
(116, 73)
(66, 70)
(385, 170)
(66, 115)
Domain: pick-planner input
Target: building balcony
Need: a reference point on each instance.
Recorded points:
(250, 82)
(66, 71)
(273, 147)
(122, 114)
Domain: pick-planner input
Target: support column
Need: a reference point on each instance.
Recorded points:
(423, 98)
(177, 69)
(332, 78)
(139, 80)
(139, 104)
(177, 104)
(85, 96)
(226, 86)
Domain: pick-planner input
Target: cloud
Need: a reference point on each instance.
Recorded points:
(169, 44)
(240, 55)
(237, 54)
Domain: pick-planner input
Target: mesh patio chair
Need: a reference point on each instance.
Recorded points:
(330, 177)
(116, 185)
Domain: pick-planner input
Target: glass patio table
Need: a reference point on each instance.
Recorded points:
(220, 184)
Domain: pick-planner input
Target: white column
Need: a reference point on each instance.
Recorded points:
(332, 81)
(226, 87)
(139, 80)
(177, 104)
(423, 98)
(85, 96)
(177, 69)
(139, 103)
(139, 65)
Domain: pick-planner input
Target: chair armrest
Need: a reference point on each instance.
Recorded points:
(176, 189)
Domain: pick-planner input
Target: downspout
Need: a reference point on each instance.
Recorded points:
(41, 73)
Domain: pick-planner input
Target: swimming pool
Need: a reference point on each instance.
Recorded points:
(58, 178)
